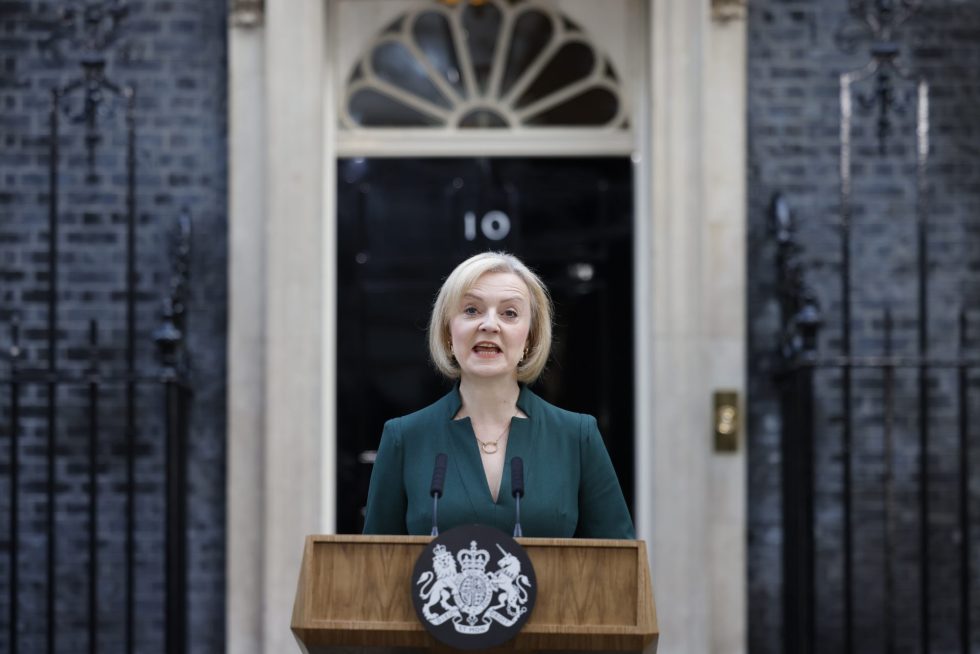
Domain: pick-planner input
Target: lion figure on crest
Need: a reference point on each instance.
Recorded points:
(442, 590)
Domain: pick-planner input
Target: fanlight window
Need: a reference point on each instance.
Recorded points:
(484, 64)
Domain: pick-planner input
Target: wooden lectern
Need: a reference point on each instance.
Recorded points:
(354, 591)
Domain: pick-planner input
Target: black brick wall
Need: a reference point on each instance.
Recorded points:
(797, 50)
(173, 52)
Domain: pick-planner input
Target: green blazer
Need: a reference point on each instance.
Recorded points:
(570, 485)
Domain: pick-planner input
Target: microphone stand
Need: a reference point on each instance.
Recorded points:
(517, 490)
(435, 514)
(517, 525)
(435, 490)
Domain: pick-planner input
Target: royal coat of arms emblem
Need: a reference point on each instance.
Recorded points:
(474, 596)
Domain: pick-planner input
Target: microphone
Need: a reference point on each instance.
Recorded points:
(435, 489)
(517, 490)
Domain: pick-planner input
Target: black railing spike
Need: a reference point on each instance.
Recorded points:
(14, 351)
(964, 337)
(881, 20)
(169, 335)
(888, 324)
(799, 307)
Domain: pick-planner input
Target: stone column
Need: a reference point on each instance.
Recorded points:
(725, 297)
(296, 33)
(276, 326)
(246, 331)
(691, 500)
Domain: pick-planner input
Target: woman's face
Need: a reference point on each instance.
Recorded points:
(489, 328)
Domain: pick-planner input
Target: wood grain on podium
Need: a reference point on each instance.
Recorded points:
(592, 595)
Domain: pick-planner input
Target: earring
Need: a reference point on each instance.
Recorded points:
(523, 358)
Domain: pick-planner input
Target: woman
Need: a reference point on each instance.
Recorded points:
(491, 330)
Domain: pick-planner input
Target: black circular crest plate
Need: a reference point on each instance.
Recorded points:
(473, 587)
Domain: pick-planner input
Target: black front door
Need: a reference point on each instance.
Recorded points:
(404, 224)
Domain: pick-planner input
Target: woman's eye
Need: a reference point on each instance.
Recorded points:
(470, 311)
(510, 313)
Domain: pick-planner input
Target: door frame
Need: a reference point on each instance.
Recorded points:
(412, 143)
(690, 314)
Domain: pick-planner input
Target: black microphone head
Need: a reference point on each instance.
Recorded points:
(517, 476)
(438, 475)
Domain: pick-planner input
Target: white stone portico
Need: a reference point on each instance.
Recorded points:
(689, 151)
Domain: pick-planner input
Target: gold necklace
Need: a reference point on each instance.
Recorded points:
(490, 447)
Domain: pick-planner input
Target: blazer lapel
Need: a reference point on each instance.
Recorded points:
(468, 466)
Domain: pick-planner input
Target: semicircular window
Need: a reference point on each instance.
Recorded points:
(493, 64)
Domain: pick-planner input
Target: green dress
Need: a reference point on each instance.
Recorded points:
(570, 485)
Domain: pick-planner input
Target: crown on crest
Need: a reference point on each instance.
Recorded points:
(473, 559)
(442, 559)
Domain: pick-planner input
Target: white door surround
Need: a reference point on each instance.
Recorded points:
(689, 151)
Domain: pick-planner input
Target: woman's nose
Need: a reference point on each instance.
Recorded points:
(489, 322)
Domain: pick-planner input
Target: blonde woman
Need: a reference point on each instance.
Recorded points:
(491, 331)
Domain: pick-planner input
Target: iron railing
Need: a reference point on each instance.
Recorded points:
(885, 402)
(85, 400)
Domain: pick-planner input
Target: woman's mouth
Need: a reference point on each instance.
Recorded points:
(486, 350)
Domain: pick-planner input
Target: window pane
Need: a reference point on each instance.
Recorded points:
(482, 118)
(593, 107)
(395, 64)
(482, 26)
(432, 67)
(532, 32)
(574, 61)
(434, 38)
(372, 108)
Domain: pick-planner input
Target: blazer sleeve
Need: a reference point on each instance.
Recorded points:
(387, 502)
(602, 508)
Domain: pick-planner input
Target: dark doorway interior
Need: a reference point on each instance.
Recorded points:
(403, 224)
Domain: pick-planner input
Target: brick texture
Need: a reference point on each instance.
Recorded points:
(172, 52)
(797, 51)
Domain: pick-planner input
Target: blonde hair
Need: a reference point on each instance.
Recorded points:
(461, 280)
